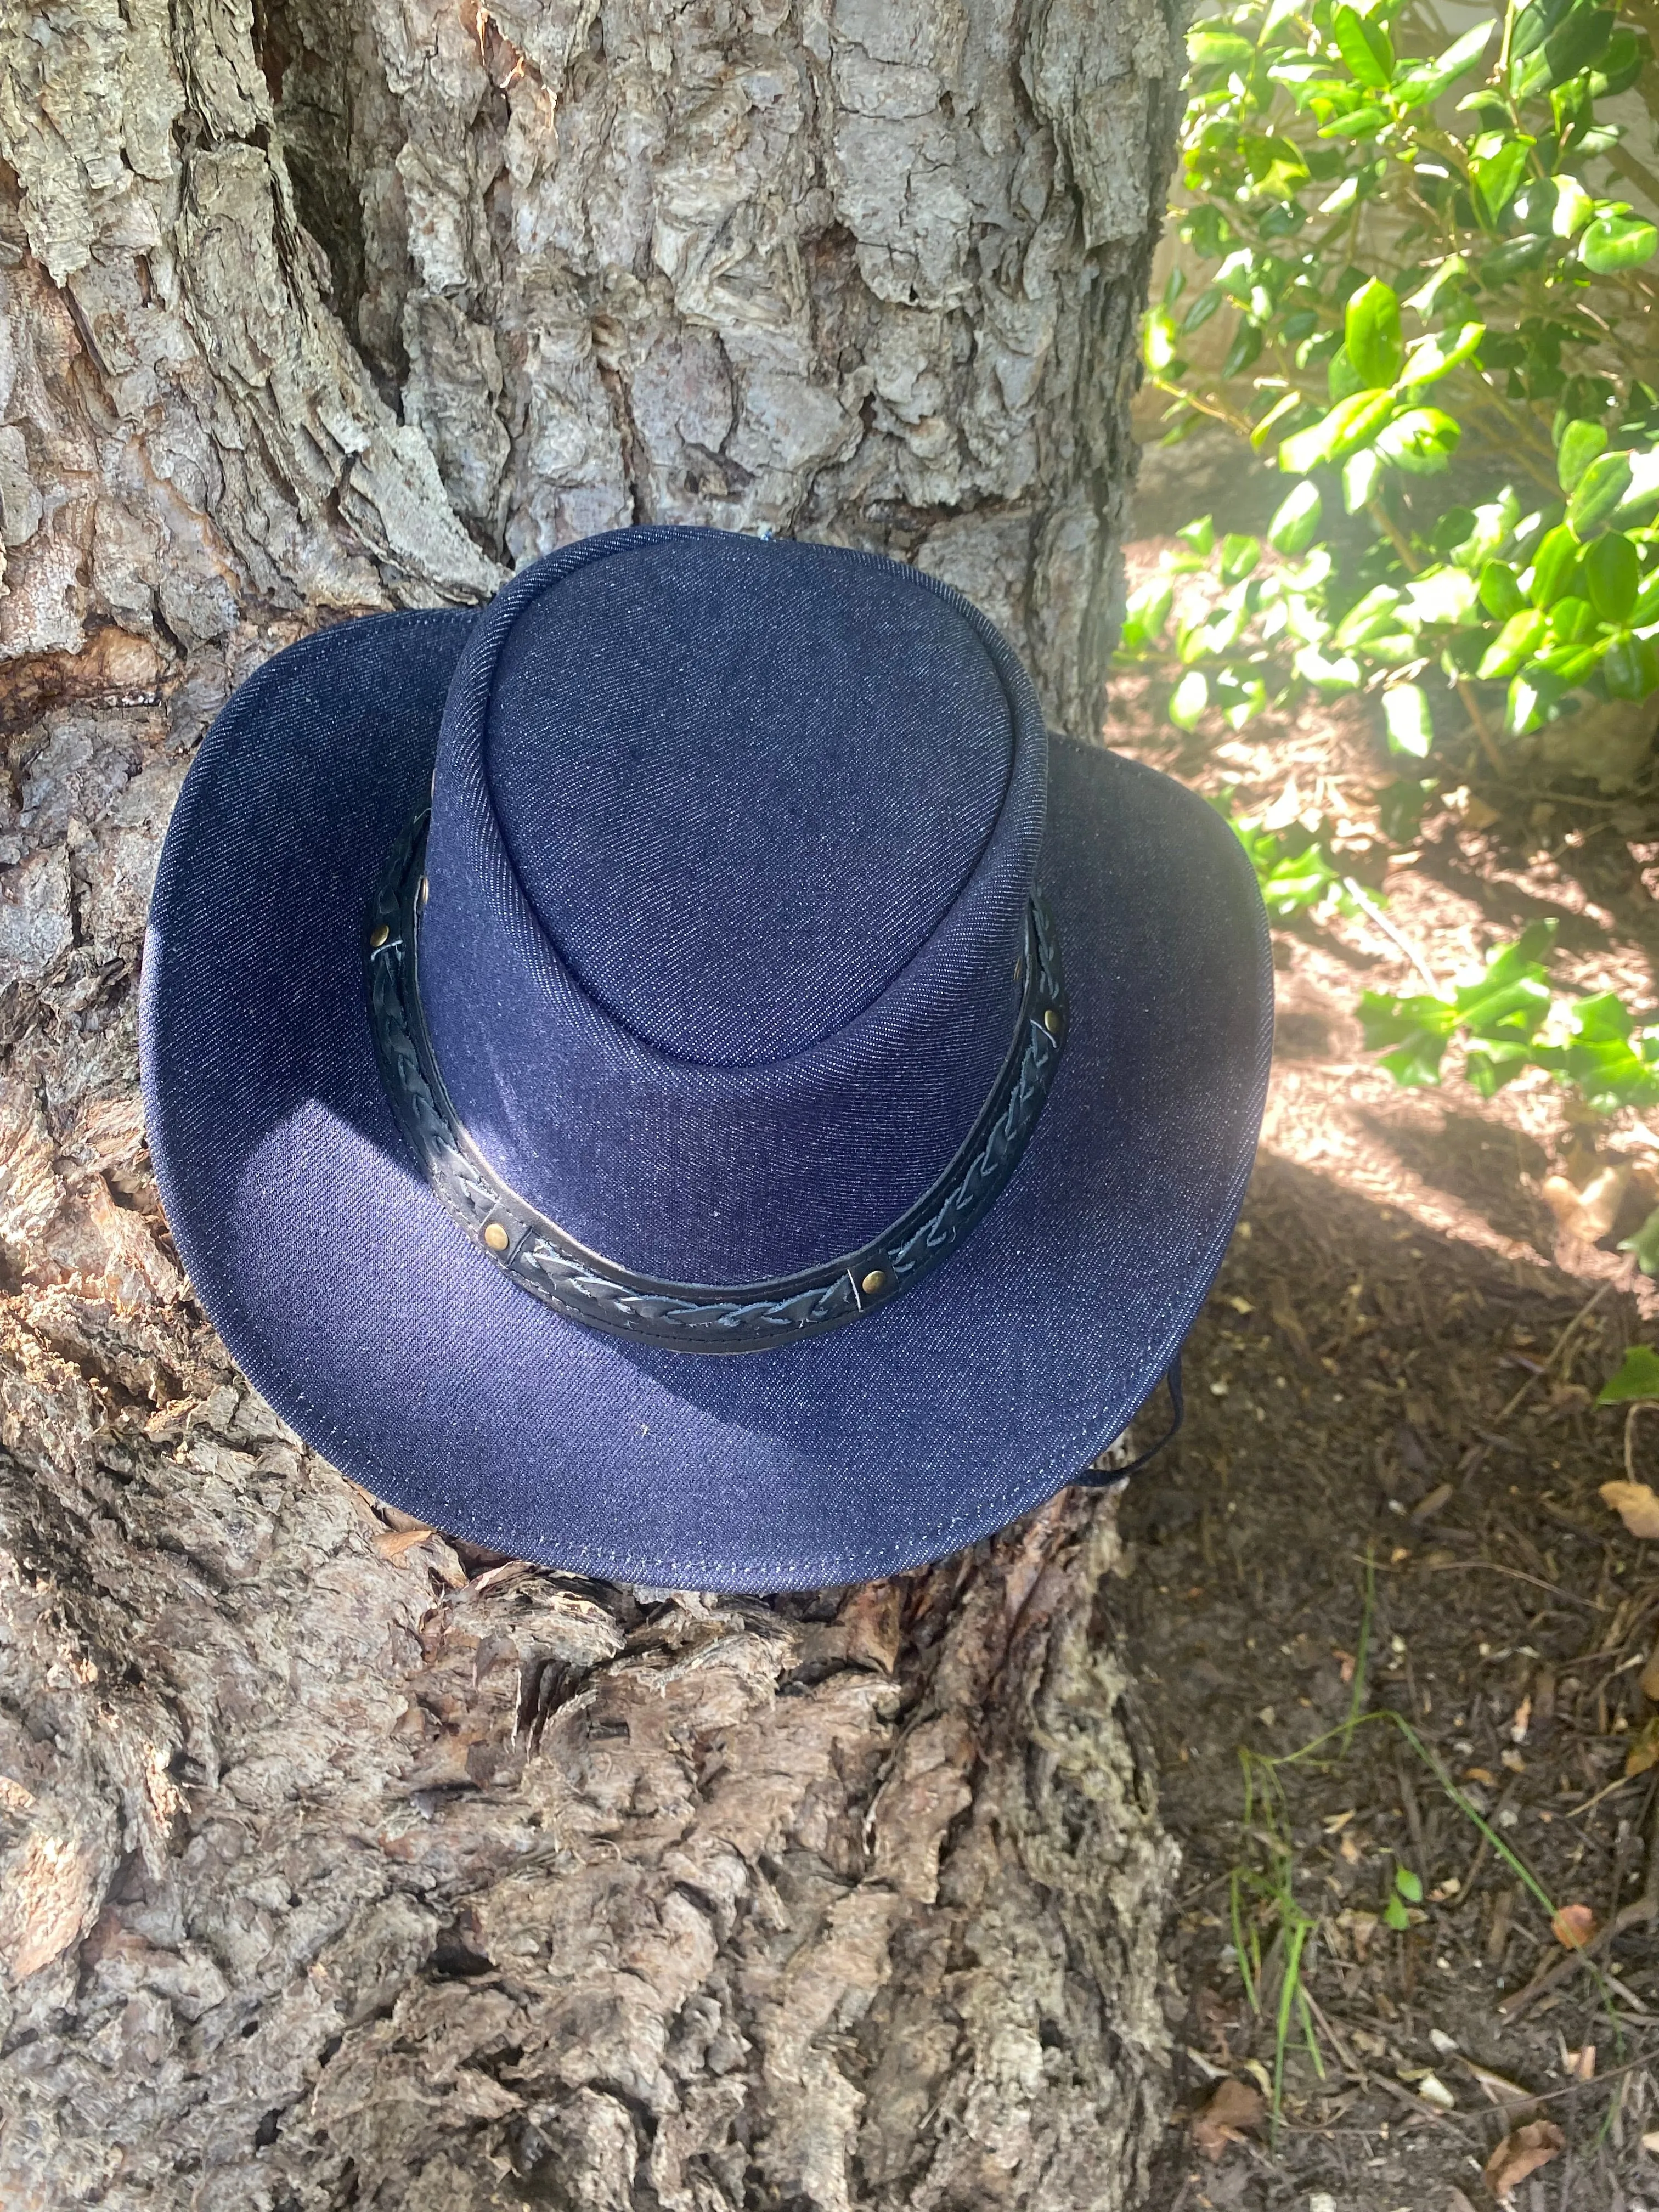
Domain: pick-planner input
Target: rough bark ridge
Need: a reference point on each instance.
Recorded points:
(338, 1866)
(345, 306)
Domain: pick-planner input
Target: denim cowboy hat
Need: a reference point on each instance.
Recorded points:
(673, 1077)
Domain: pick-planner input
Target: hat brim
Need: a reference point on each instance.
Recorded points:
(354, 1303)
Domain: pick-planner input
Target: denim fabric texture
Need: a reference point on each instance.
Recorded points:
(731, 847)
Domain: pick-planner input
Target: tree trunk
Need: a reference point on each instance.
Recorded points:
(339, 1864)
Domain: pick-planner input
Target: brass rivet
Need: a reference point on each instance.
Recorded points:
(426, 889)
(378, 936)
(1052, 1023)
(496, 1237)
(872, 1282)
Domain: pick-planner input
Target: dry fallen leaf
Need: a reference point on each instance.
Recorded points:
(396, 1541)
(1580, 2065)
(1650, 1677)
(1651, 2142)
(1573, 1926)
(1236, 2107)
(1644, 1749)
(1500, 2088)
(1520, 2152)
(1635, 1504)
(1521, 1722)
(1589, 1214)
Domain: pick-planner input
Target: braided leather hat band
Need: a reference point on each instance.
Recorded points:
(556, 1267)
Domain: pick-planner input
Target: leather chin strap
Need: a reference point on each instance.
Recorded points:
(1108, 1478)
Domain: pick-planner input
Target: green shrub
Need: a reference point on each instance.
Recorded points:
(1422, 257)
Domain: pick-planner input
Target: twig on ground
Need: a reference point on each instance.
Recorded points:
(1636, 1914)
(1372, 912)
(1483, 1844)
(1515, 1574)
(1409, 2097)
(1546, 1366)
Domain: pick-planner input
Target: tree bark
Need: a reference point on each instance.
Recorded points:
(340, 1864)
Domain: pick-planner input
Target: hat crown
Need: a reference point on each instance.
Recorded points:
(731, 853)
(739, 791)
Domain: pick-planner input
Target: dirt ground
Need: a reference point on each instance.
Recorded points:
(1397, 1366)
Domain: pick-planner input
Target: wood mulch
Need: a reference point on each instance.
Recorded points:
(1393, 1383)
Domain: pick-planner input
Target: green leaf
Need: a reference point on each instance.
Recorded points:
(1638, 1374)
(1411, 1034)
(1244, 350)
(1513, 993)
(1330, 678)
(1513, 259)
(1598, 494)
(1514, 643)
(1643, 485)
(1352, 423)
(1627, 55)
(1160, 343)
(1239, 555)
(1146, 614)
(1370, 330)
(1429, 79)
(1630, 666)
(1212, 49)
(1421, 440)
(1363, 45)
(1580, 444)
(1555, 566)
(1374, 615)
(1342, 378)
(1573, 207)
(1396, 1915)
(1359, 123)
(1614, 242)
(1500, 594)
(1454, 528)
(1189, 699)
(1442, 596)
(1534, 21)
(1613, 574)
(1497, 176)
(1645, 1245)
(1572, 619)
(1437, 356)
(1288, 402)
(1296, 524)
(1200, 535)
(1610, 1067)
(1450, 278)
(1359, 474)
(1410, 727)
(1571, 46)
(1202, 308)
(1408, 1884)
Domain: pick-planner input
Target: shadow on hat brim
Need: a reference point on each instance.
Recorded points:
(357, 1307)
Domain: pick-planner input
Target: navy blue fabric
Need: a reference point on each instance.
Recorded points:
(692, 1170)
(767, 769)
(361, 1312)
